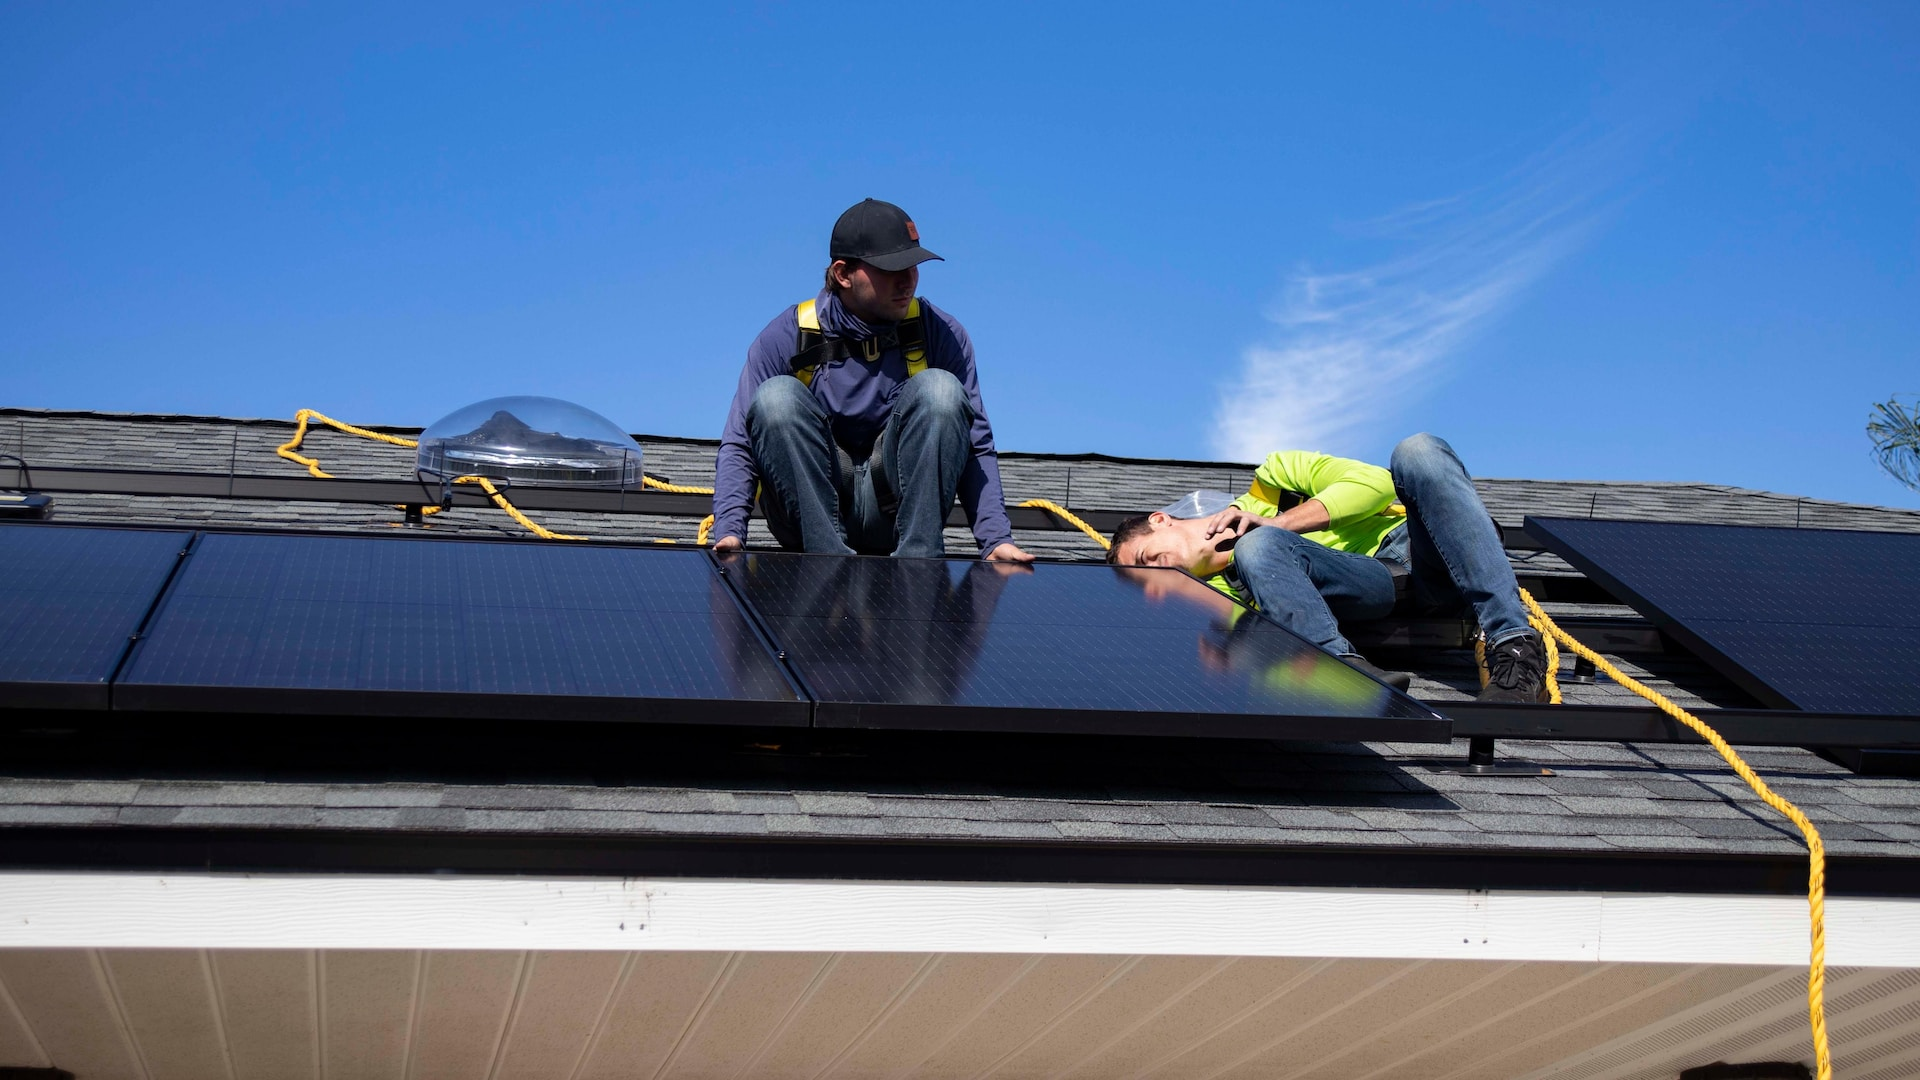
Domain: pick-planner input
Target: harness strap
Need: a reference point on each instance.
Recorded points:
(909, 335)
(1279, 498)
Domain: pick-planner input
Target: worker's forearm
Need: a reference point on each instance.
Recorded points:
(1309, 516)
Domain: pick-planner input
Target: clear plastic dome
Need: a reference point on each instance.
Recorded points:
(531, 441)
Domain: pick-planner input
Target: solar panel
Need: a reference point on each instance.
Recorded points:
(1815, 619)
(70, 600)
(913, 643)
(401, 627)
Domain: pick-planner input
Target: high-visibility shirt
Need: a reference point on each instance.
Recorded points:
(1357, 497)
(1355, 494)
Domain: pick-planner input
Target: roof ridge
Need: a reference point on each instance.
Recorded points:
(1091, 457)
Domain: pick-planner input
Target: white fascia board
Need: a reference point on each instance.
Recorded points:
(128, 910)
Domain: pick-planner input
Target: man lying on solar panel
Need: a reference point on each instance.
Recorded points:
(1317, 540)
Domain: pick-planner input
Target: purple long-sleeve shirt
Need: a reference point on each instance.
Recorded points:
(859, 397)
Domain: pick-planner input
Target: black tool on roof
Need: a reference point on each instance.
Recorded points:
(21, 502)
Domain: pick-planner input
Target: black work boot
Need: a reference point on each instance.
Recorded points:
(1399, 680)
(1517, 670)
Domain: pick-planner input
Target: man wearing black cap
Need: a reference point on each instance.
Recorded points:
(858, 415)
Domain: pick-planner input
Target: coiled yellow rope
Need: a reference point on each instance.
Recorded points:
(1816, 850)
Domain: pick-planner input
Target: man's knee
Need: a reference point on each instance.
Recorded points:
(781, 400)
(1422, 455)
(1271, 548)
(938, 391)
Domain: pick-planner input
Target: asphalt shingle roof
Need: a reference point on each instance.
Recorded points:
(1602, 797)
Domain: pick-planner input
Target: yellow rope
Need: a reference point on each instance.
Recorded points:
(677, 489)
(513, 511)
(287, 449)
(1816, 850)
(1070, 518)
(290, 451)
(706, 523)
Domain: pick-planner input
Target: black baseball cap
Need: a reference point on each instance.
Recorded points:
(879, 234)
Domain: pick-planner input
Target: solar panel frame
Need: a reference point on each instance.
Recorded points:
(1736, 647)
(87, 656)
(151, 677)
(792, 636)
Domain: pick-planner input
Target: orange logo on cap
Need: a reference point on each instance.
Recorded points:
(913, 234)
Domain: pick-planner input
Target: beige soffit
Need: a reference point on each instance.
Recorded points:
(400, 1014)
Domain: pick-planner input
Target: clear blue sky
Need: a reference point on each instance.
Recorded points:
(1657, 241)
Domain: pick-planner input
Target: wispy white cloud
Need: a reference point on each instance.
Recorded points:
(1350, 346)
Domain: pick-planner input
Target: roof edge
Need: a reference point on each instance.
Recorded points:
(363, 851)
(229, 911)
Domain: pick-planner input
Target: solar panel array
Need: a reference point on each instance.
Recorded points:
(330, 624)
(336, 625)
(1816, 619)
(70, 603)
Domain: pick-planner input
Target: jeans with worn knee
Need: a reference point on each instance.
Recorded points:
(1310, 588)
(818, 498)
(1450, 545)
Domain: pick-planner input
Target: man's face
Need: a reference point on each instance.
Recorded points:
(873, 294)
(1177, 543)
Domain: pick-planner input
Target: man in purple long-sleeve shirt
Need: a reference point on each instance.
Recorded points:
(858, 415)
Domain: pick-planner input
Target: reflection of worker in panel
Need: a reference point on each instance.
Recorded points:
(1272, 664)
(858, 414)
(919, 623)
(1317, 540)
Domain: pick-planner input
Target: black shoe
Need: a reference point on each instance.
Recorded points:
(1399, 680)
(1517, 670)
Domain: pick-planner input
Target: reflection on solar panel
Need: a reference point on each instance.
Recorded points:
(1814, 619)
(335, 624)
(70, 599)
(917, 643)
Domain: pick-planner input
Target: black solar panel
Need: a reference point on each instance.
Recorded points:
(70, 599)
(1816, 619)
(914, 643)
(448, 628)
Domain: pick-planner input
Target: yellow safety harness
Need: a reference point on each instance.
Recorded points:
(815, 349)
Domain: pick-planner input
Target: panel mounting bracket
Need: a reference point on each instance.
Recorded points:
(1481, 761)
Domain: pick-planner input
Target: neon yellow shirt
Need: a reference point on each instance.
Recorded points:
(1359, 499)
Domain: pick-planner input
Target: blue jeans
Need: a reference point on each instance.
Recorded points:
(817, 498)
(1449, 546)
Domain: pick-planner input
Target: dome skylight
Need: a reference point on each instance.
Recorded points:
(532, 442)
